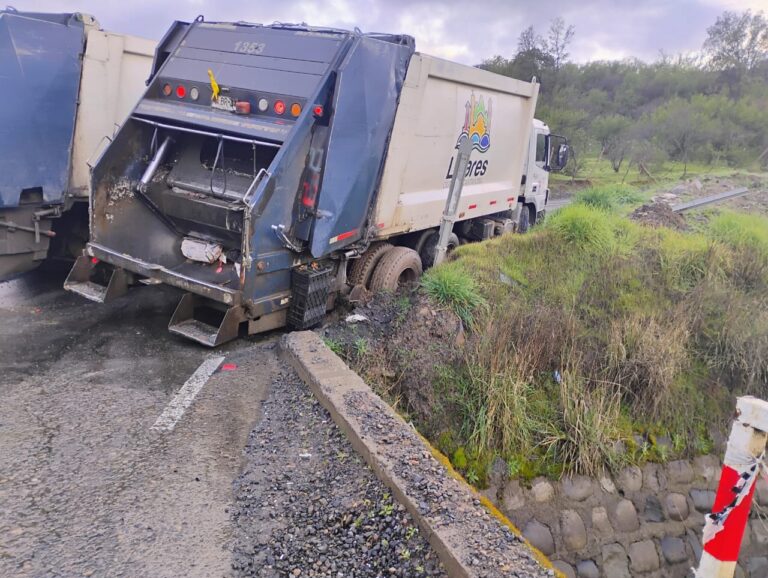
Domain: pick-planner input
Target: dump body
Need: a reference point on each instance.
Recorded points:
(443, 103)
(67, 87)
(262, 158)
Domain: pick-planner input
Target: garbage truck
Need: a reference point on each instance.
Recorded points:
(67, 86)
(267, 169)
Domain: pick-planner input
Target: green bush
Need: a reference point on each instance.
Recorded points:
(583, 227)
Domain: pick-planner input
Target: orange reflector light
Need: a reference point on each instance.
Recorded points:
(167, 89)
(243, 107)
(295, 109)
(279, 107)
(181, 92)
(318, 110)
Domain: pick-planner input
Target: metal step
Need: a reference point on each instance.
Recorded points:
(96, 281)
(204, 321)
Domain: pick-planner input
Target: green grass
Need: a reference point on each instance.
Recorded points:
(610, 197)
(650, 332)
(452, 286)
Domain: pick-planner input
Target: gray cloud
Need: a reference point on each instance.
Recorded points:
(459, 30)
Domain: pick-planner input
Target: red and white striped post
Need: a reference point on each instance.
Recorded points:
(744, 456)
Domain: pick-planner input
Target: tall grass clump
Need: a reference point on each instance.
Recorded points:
(583, 228)
(609, 197)
(450, 285)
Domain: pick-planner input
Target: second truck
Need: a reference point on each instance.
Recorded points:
(267, 169)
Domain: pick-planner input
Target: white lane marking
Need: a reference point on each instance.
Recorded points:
(174, 410)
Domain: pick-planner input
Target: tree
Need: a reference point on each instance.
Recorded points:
(681, 128)
(737, 41)
(532, 58)
(559, 37)
(612, 133)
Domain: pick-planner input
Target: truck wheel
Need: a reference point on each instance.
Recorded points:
(429, 249)
(361, 269)
(524, 224)
(397, 267)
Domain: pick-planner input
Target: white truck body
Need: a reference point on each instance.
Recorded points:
(534, 192)
(115, 68)
(441, 102)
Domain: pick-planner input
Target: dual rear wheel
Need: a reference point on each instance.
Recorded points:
(384, 267)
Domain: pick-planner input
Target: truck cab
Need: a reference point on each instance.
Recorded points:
(546, 153)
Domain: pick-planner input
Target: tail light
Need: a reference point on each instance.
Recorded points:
(295, 109)
(279, 107)
(243, 107)
(167, 89)
(263, 104)
(194, 93)
(318, 110)
(181, 92)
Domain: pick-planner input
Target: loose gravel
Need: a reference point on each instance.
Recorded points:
(306, 504)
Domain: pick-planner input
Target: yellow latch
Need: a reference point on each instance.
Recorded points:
(214, 85)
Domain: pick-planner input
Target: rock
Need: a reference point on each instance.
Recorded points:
(540, 537)
(514, 495)
(572, 530)
(607, 485)
(677, 507)
(757, 567)
(680, 472)
(542, 490)
(653, 511)
(498, 474)
(577, 488)
(654, 479)
(587, 569)
(643, 556)
(708, 468)
(761, 492)
(673, 549)
(760, 534)
(565, 568)
(703, 500)
(625, 516)
(615, 562)
(630, 479)
(600, 522)
(695, 543)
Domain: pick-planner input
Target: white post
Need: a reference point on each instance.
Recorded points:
(724, 528)
(452, 202)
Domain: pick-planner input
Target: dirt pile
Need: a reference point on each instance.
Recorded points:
(659, 214)
(400, 344)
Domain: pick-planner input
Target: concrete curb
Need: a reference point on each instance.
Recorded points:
(470, 541)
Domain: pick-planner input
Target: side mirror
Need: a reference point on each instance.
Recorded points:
(563, 152)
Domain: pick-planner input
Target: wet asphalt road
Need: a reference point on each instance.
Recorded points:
(86, 488)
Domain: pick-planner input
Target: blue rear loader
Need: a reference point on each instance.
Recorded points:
(246, 174)
(40, 68)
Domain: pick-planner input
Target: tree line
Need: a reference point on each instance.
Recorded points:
(709, 107)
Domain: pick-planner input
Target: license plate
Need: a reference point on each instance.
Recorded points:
(224, 103)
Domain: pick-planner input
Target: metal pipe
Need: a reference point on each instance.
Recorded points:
(11, 225)
(452, 202)
(154, 164)
(679, 208)
(206, 133)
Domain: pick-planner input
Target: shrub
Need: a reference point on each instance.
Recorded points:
(583, 228)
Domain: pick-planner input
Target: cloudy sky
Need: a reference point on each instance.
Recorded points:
(467, 31)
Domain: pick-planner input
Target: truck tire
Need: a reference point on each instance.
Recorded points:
(429, 248)
(524, 224)
(361, 269)
(397, 267)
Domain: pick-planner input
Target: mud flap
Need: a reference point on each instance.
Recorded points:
(204, 321)
(96, 281)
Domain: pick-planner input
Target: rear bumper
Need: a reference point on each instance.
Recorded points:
(230, 297)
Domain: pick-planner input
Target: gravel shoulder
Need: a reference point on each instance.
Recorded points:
(307, 505)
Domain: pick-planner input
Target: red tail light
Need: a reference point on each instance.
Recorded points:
(318, 110)
(243, 107)
(279, 107)
(181, 92)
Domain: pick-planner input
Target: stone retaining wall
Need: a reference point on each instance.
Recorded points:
(646, 522)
